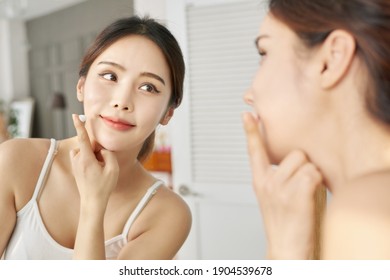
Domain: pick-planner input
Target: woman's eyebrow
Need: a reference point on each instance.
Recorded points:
(154, 76)
(258, 38)
(145, 74)
(112, 64)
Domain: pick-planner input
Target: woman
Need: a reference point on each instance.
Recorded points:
(88, 197)
(321, 100)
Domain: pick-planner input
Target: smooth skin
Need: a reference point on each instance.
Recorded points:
(96, 181)
(310, 118)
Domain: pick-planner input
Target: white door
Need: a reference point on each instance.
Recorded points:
(211, 168)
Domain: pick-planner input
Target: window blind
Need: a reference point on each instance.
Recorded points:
(222, 63)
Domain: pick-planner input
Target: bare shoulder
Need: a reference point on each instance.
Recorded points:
(161, 228)
(165, 208)
(24, 146)
(357, 223)
(168, 205)
(19, 153)
(20, 164)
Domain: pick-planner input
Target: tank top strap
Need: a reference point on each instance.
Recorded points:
(46, 166)
(140, 206)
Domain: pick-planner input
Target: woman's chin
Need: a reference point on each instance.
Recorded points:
(112, 144)
(100, 143)
(109, 146)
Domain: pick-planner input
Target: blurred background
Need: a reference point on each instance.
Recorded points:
(201, 154)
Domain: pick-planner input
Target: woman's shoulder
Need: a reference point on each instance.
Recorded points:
(165, 202)
(161, 228)
(357, 223)
(166, 208)
(22, 151)
(20, 143)
(20, 163)
(170, 203)
(164, 224)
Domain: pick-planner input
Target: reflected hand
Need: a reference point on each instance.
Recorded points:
(96, 172)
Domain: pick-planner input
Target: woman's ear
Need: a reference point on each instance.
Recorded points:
(80, 89)
(338, 52)
(168, 115)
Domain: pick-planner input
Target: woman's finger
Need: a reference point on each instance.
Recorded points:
(256, 147)
(289, 165)
(82, 136)
(110, 161)
(307, 178)
(73, 153)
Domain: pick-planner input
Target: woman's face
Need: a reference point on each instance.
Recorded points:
(282, 91)
(126, 94)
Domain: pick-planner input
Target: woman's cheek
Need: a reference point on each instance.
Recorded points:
(92, 101)
(94, 96)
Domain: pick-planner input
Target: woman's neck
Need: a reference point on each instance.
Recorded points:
(348, 154)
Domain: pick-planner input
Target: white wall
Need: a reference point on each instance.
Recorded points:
(19, 59)
(5, 62)
(154, 8)
(14, 76)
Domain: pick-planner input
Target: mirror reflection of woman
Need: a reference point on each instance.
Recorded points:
(93, 198)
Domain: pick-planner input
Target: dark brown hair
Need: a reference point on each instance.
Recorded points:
(158, 34)
(367, 20)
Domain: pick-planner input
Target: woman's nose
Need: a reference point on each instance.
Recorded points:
(124, 103)
(122, 99)
(122, 107)
(248, 97)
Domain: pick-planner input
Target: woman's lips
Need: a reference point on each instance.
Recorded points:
(117, 123)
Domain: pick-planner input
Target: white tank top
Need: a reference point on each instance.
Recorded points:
(31, 240)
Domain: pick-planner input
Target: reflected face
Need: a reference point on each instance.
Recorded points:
(281, 91)
(126, 93)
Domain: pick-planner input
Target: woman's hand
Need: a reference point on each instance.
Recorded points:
(96, 172)
(286, 195)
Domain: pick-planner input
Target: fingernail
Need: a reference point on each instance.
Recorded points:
(82, 118)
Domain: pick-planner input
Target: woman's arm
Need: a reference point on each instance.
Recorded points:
(7, 194)
(95, 181)
(89, 244)
(160, 230)
(7, 214)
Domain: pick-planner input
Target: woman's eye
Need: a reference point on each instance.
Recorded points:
(262, 54)
(149, 88)
(109, 76)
